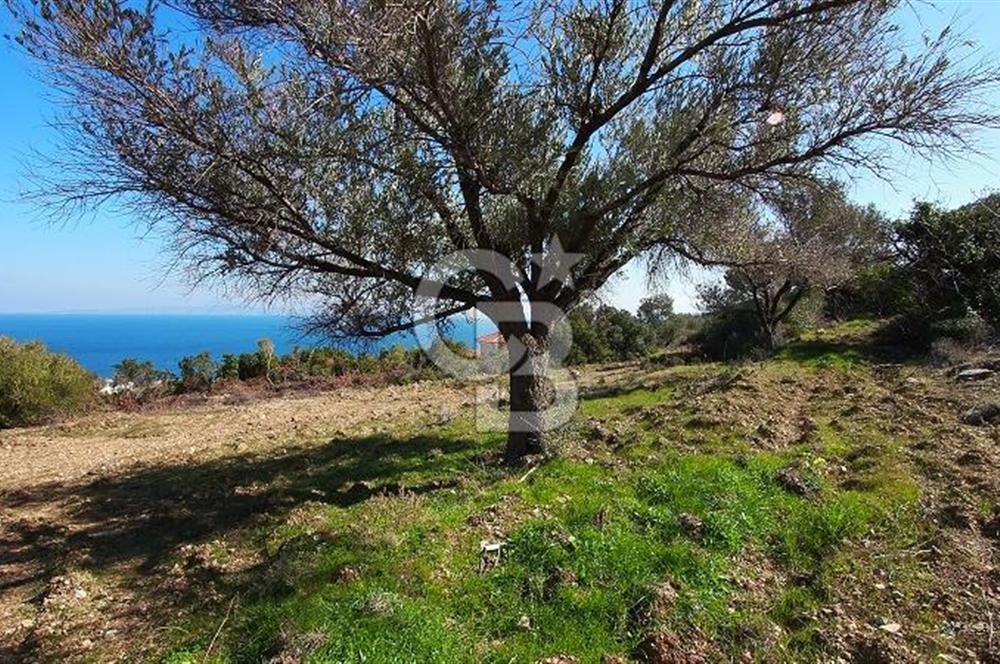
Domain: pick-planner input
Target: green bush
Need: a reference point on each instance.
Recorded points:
(229, 367)
(918, 333)
(683, 328)
(367, 363)
(946, 268)
(966, 330)
(37, 386)
(141, 380)
(322, 361)
(879, 291)
(400, 363)
(139, 374)
(251, 365)
(806, 315)
(607, 334)
(953, 258)
(730, 335)
(197, 372)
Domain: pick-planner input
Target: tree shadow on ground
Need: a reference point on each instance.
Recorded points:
(141, 517)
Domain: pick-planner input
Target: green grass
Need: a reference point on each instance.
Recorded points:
(856, 329)
(824, 355)
(587, 538)
(626, 400)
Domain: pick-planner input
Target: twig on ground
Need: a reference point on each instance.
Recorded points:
(530, 471)
(225, 619)
(989, 617)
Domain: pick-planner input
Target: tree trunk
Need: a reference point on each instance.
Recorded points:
(530, 394)
(770, 336)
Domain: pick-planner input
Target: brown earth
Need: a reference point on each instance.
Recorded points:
(111, 492)
(123, 495)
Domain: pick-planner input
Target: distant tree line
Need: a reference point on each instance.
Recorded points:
(202, 372)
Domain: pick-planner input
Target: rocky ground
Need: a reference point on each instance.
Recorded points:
(115, 528)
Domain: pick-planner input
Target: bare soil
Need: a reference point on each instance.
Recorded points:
(110, 523)
(120, 493)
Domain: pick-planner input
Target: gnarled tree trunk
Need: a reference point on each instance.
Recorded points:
(531, 393)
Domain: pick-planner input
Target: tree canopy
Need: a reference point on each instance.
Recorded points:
(656, 310)
(339, 149)
(952, 259)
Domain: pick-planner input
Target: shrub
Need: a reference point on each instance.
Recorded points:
(322, 361)
(197, 372)
(251, 365)
(879, 291)
(947, 266)
(806, 315)
(607, 334)
(135, 381)
(731, 334)
(906, 331)
(448, 357)
(229, 367)
(919, 333)
(394, 359)
(683, 328)
(948, 352)
(954, 258)
(588, 345)
(138, 374)
(37, 385)
(367, 363)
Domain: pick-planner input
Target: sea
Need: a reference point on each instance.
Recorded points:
(100, 341)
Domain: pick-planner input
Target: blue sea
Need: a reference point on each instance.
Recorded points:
(99, 341)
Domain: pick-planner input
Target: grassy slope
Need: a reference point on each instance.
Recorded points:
(589, 536)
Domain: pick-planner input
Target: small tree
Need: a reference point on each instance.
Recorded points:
(587, 343)
(607, 334)
(816, 241)
(139, 374)
(338, 149)
(657, 313)
(625, 336)
(268, 356)
(229, 367)
(656, 310)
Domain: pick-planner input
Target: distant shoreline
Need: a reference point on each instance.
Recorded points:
(98, 341)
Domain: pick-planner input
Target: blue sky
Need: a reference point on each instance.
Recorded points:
(104, 264)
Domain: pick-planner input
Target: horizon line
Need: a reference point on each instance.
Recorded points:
(141, 312)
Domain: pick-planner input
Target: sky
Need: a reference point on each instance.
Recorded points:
(104, 264)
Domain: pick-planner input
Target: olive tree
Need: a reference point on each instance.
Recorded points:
(811, 239)
(334, 150)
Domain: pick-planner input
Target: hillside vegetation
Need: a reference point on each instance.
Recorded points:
(821, 504)
(37, 386)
